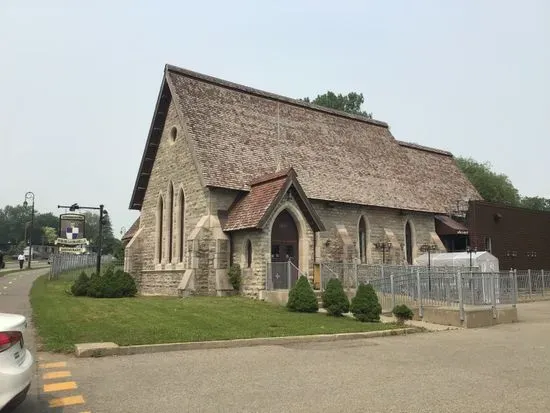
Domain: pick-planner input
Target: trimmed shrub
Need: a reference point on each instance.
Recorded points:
(402, 313)
(234, 275)
(365, 306)
(335, 300)
(301, 297)
(81, 285)
(94, 288)
(117, 284)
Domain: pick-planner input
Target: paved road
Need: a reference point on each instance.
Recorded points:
(14, 291)
(498, 369)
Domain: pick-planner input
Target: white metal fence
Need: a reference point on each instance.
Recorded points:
(282, 275)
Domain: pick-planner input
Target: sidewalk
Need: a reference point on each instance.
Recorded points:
(14, 298)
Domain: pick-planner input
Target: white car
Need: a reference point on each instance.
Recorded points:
(16, 361)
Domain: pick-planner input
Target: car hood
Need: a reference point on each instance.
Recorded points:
(12, 322)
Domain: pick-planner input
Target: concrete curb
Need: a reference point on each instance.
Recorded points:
(112, 349)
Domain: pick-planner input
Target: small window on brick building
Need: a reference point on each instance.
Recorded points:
(248, 254)
(488, 244)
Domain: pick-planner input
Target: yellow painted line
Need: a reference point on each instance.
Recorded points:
(57, 365)
(67, 385)
(56, 375)
(66, 401)
(85, 412)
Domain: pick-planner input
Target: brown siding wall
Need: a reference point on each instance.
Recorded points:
(520, 230)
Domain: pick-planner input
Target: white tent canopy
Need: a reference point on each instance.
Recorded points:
(483, 261)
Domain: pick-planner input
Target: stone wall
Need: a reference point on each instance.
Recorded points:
(173, 165)
(381, 225)
(159, 282)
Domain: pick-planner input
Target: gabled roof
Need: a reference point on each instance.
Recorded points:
(131, 231)
(255, 208)
(237, 133)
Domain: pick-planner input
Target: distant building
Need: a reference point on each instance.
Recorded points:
(518, 237)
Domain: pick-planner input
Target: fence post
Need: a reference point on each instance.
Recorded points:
(530, 284)
(392, 291)
(460, 296)
(321, 276)
(288, 273)
(515, 279)
(542, 276)
(419, 288)
(493, 295)
(355, 266)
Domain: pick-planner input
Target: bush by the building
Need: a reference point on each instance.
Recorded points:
(81, 285)
(335, 300)
(365, 306)
(301, 297)
(402, 313)
(112, 284)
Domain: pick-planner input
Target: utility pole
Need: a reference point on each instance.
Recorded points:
(30, 196)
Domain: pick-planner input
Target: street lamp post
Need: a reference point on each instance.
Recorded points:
(429, 247)
(29, 196)
(102, 214)
(383, 245)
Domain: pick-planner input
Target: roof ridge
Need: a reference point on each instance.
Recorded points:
(272, 176)
(269, 95)
(423, 148)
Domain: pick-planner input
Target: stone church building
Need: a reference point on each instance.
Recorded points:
(231, 174)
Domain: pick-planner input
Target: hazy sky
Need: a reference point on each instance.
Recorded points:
(78, 83)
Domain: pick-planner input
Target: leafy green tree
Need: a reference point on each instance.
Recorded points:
(49, 235)
(536, 202)
(350, 103)
(493, 187)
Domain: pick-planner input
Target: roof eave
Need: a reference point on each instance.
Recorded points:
(151, 146)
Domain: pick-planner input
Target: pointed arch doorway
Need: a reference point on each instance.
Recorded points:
(284, 249)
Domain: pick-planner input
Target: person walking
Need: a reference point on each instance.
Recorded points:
(21, 259)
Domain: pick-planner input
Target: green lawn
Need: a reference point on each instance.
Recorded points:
(63, 320)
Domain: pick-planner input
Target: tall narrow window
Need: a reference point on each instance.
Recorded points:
(170, 219)
(160, 211)
(181, 226)
(363, 240)
(248, 254)
(409, 242)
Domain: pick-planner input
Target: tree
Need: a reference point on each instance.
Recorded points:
(50, 234)
(109, 243)
(350, 103)
(536, 202)
(493, 187)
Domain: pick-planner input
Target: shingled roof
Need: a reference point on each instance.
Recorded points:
(255, 207)
(238, 133)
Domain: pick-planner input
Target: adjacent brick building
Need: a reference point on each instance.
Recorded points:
(518, 237)
(231, 174)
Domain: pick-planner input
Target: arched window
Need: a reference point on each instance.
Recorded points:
(362, 240)
(169, 215)
(409, 242)
(181, 226)
(248, 254)
(160, 211)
